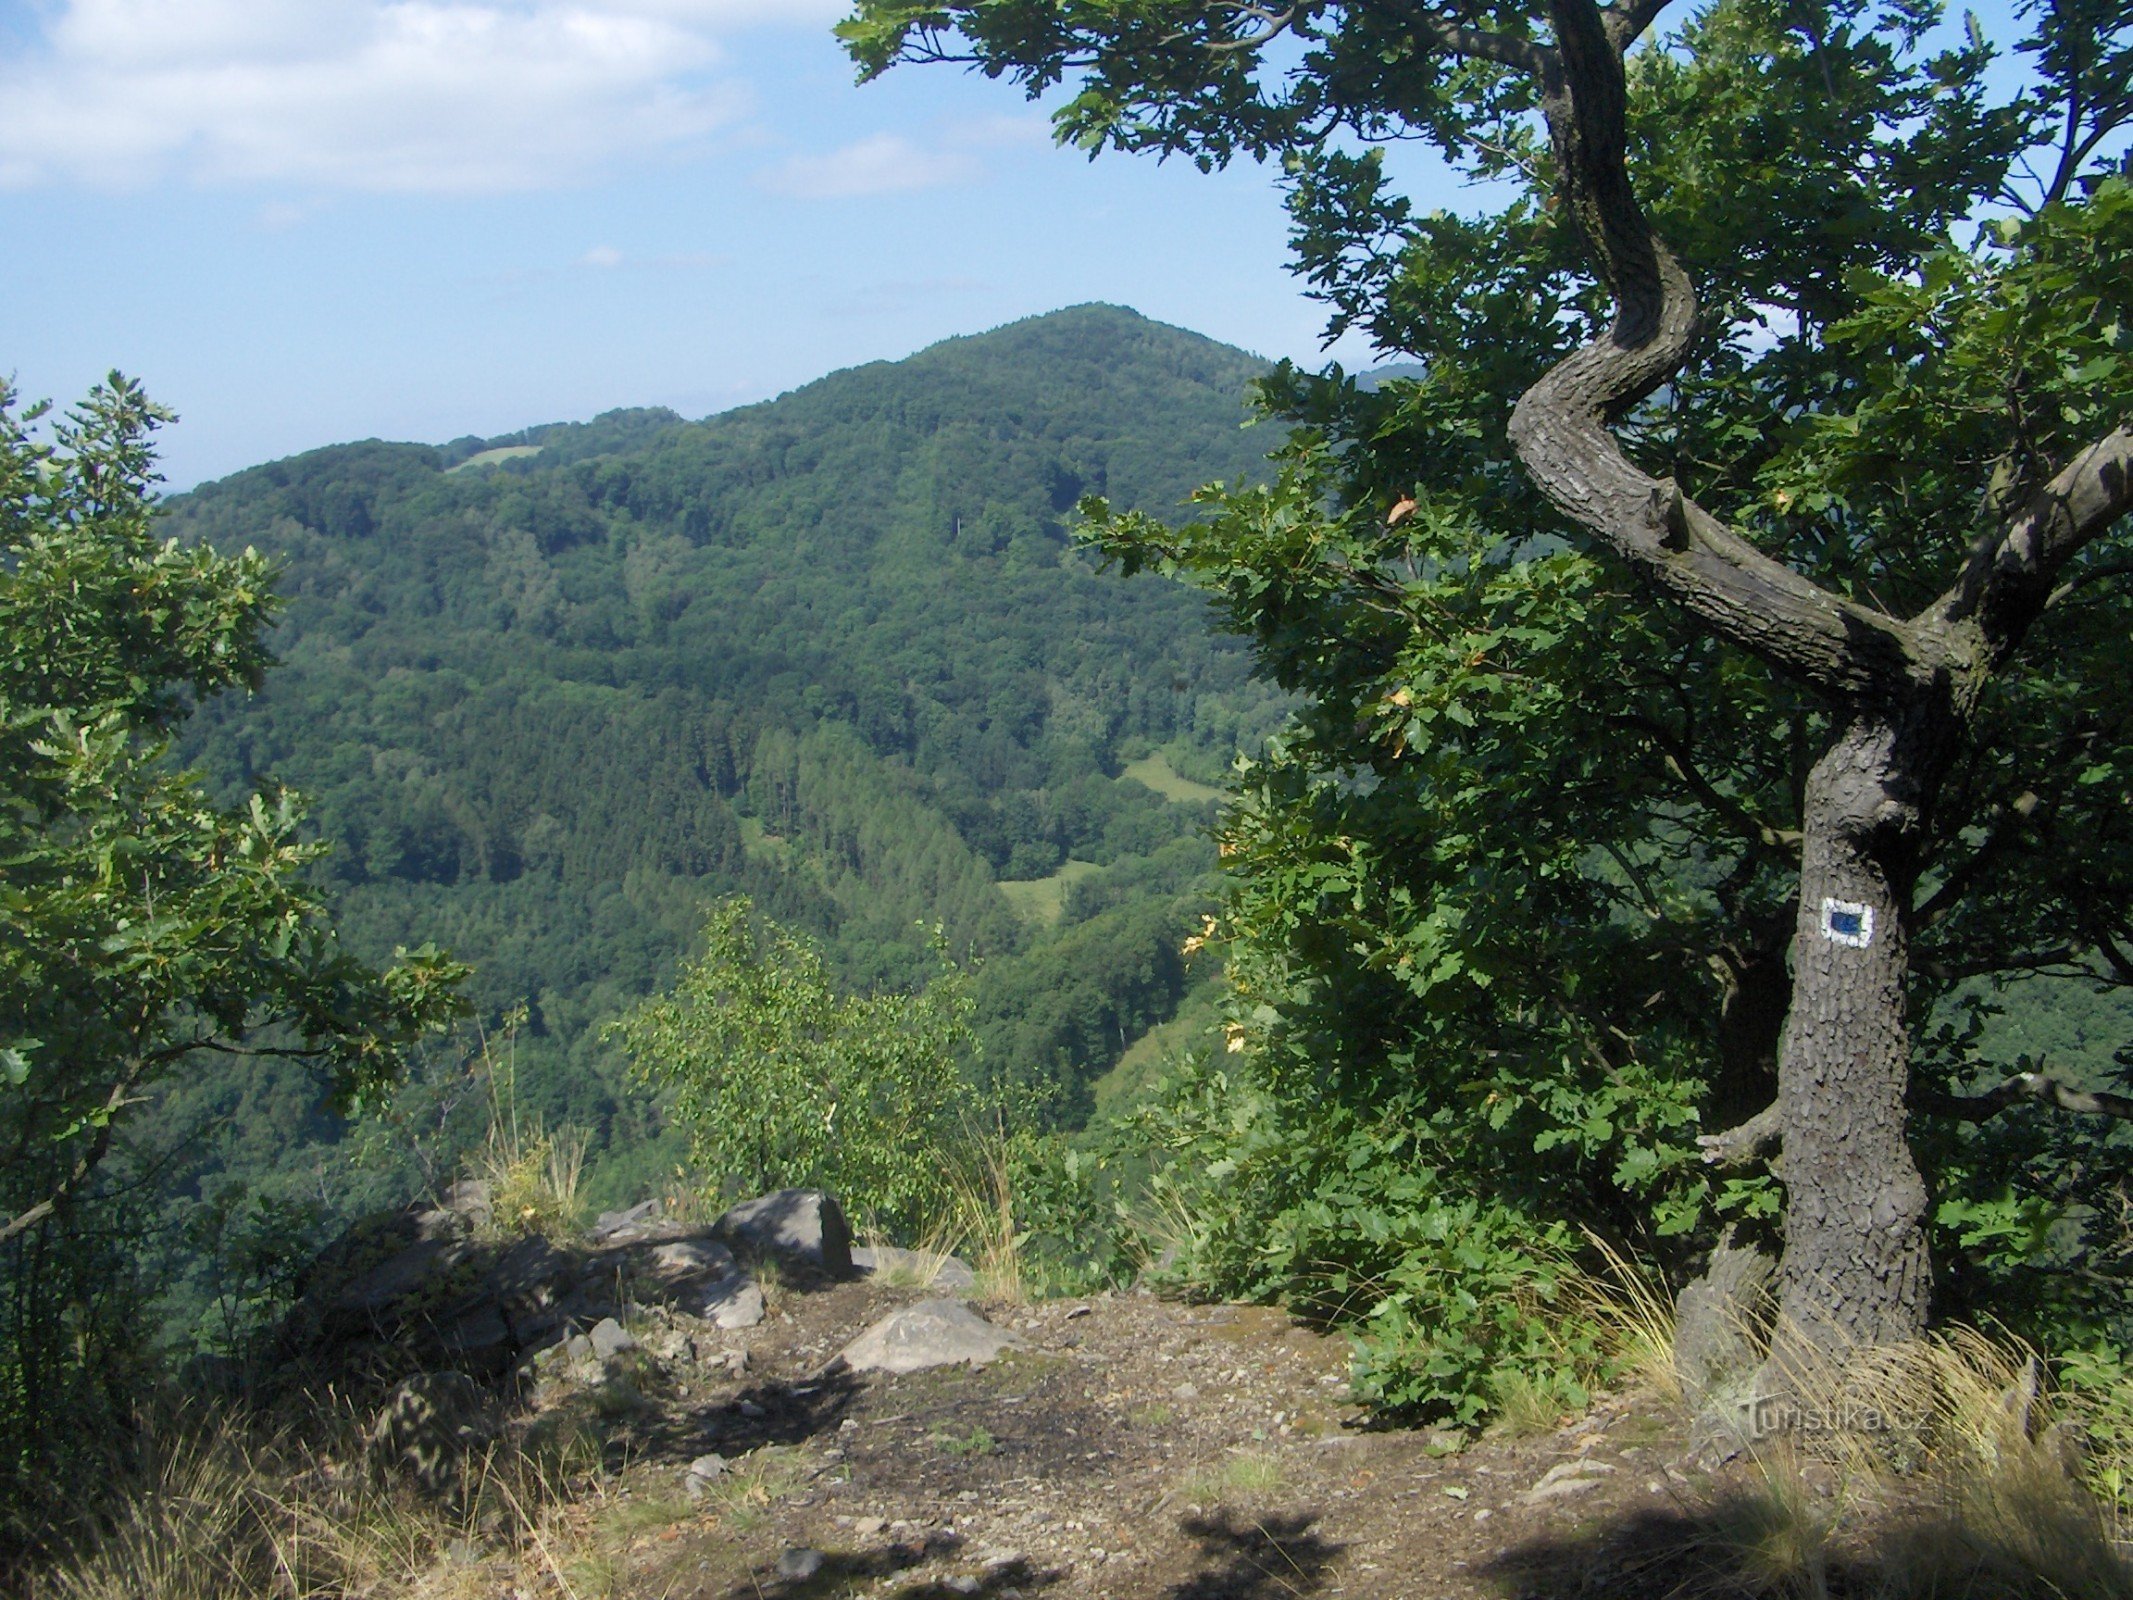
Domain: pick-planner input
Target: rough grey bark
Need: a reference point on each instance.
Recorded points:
(1855, 1270)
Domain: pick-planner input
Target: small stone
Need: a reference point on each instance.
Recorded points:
(708, 1467)
(1185, 1391)
(609, 1339)
(579, 1347)
(1483, 1514)
(731, 1303)
(961, 1583)
(923, 1269)
(1567, 1478)
(1562, 1490)
(869, 1527)
(1082, 1310)
(798, 1566)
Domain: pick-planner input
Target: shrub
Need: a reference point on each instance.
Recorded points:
(780, 1081)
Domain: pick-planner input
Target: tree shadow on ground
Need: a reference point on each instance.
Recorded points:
(1647, 1554)
(773, 1412)
(1742, 1545)
(1250, 1558)
(842, 1572)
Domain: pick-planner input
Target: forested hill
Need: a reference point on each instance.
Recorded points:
(549, 694)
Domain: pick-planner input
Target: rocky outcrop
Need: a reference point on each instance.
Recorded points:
(423, 1290)
(923, 1269)
(802, 1229)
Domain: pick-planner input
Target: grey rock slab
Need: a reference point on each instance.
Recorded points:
(397, 1276)
(610, 1339)
(610, 1223)
(1567, 1478)
(730, 1303)
(802, 1228)
(933, 1333)
(797, 1566)
(926, 1268)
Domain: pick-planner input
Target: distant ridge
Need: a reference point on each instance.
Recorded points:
(836, 650)
(1091, 335)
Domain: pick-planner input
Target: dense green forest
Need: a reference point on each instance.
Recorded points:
(550, 695)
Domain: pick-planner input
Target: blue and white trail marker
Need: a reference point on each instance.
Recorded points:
(1848, 923)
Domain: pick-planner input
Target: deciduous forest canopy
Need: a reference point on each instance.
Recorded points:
(550, 695)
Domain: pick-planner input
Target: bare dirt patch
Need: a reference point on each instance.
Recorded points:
(1135, 1447)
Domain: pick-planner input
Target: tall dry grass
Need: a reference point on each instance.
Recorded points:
(982, 1225)
(1947, 1468)
(532, 1173)
(213, 1508)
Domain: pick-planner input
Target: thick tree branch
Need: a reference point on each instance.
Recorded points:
(2012, 572)
(1627, 20)
(2101, 572)
(1476, 44)
(2037, 1086)
(1746, 1144)
(87, 1162)
(1560, 425)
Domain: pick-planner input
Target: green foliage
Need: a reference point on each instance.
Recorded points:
(781, 1082)
(143, 930)
(1368, 1220)
(1510, 902)
(835, 653)
(1072, 1230)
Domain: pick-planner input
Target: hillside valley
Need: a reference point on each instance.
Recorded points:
(549, 695)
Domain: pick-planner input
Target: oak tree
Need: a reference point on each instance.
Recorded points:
(1759, 500)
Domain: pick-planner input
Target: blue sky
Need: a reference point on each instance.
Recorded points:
(304, 221)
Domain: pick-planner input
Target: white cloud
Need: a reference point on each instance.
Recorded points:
(881, 163)
(1030, 131)
(601, 255)
(409, 95)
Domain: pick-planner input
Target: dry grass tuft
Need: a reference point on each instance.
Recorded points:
(1635, 1316)
(984, 1225)
(211, 1509)
(1935, 1470)
(532, 1174)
